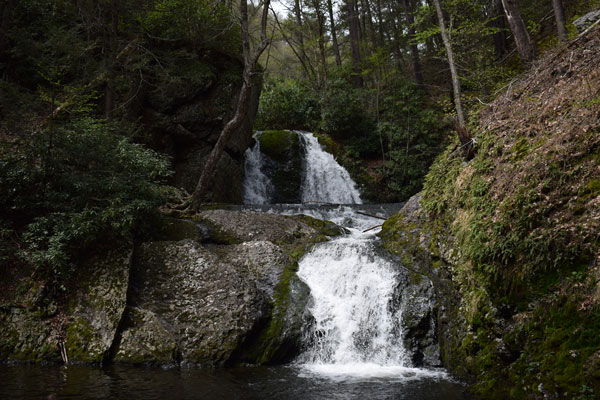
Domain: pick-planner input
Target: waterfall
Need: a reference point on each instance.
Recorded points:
(257, 186)
(352, 291)
(358, 297)
(323, 179)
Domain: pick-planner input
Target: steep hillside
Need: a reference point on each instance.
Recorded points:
(511, 237)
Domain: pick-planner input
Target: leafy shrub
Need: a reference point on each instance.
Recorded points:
(77, 184)
(414, 133)
(287, 104)
(344, 114)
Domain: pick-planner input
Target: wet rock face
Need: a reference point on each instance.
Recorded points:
(98, 306)
(203, 301)
(32, 328)
(415, 296)
(283, 164)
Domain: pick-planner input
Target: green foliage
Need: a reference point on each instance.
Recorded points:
(414, 133)
(287, 104)
(203, 22)
(78, 184)
(343, 111)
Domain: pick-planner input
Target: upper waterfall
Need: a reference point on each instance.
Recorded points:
(324, 180)
(320, 179)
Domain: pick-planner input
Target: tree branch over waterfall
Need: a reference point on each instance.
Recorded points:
(250, 62)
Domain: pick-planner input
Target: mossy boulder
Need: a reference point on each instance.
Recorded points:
(227, 294)
(283, 164)
(34, 324)
(97, 307)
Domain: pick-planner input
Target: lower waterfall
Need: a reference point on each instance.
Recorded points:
(358, 295)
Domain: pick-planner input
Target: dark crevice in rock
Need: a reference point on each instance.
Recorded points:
(109, 354)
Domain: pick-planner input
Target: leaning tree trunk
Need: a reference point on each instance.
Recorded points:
(559, 14)
(461, 127)
(250, 62)
(525, 46)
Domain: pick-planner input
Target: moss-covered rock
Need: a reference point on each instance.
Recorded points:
(34, 326)
(97, 307)
(236, 299)
(283, 164)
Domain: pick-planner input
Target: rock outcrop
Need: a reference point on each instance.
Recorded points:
(217, 289)
(185, 116)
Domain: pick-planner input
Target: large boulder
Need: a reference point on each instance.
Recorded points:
(226, 294)
(283, 156)
(34, 327)
(97, 307)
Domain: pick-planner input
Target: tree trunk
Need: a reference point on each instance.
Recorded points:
(110, 57)
(461, 127)
(500, 42)
(525, 46)
(559, 14)
(380, 24)
(353, 27)
(299, 33)
(250, 61)
(371, 26)
(414, 49)
(321, 41)
(334, 41)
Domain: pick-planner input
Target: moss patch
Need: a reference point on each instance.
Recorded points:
(278, 144)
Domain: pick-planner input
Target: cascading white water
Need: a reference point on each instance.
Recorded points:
(357, 332)
(324, 179)
(352, 290)
(257, 186)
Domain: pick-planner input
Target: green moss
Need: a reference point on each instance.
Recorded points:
(81, 338)
(330, 145)
(591, 189)
(277, 144)
(326, 228)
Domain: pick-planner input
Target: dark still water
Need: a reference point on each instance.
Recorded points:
(132, 383)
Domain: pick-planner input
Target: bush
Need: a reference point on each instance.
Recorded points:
(344, 114)
(77, 184)
(414, 133)
(287, 104)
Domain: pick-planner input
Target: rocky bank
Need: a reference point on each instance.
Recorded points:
(219, 288)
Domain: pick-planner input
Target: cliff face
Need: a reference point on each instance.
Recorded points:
(184, 115)
(510, 239)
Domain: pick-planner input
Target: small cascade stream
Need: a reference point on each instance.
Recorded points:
(357, 329)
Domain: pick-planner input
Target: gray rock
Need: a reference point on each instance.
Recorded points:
(236, 302)
(206, 304)
(582, 23)
(415, 297)
(98, 306)
(32, 328)
(238, 226)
